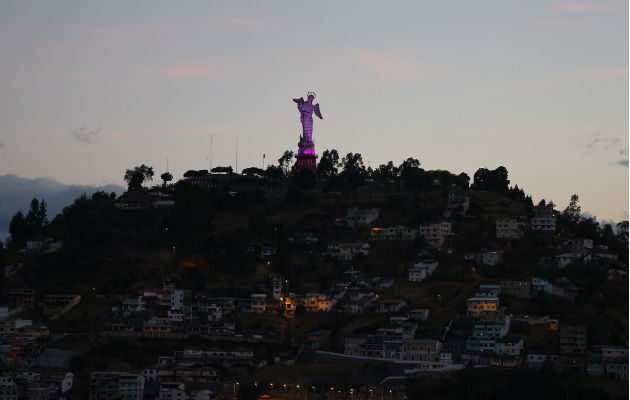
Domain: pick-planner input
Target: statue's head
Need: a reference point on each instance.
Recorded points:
(311, 96)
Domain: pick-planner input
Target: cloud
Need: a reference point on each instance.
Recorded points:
(16, 193)
(593, 7)
(599, 141)
(622, 163)
(84, 136)
(604, 74)
(393, 65)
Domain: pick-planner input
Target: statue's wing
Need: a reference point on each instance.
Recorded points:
(300, 101)
(317, 112)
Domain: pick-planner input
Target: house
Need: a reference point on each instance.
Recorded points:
(509, 347)
(573, 340)
(137, 200)
(422, 270)
(435, 233)
(268, 251)
(537, 360)
(543, 219)
(457, 206)
(617, 368)
(565, 259)
(277, 285)
(538, 284)
(22, 298)
(347, 251)
(360, 304)
(580, 245)
(421, 350)
(318, 302)
(520, 289)
(485, 257)
(476, 306)
(393, 233)
(491, 325)
(510, 228)
(563, 288)
(157, 325)
(605, 254)
(116, 385)
(409, 234)
(488, 290)
(391, 305)
(419, 314)
(360, 216)
(258, 303)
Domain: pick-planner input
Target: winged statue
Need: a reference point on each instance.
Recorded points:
(307, 108)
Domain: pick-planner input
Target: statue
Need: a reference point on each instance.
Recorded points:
(306, 109)
(306, 157)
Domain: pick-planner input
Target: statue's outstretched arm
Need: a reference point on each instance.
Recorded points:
(300, 101)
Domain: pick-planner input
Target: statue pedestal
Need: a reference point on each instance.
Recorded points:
(306, 157)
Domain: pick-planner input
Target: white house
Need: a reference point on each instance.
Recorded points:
(422, 270)
(563, 260)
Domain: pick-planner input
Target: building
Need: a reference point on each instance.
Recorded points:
(277, 285)
(509, 347)
(565, 259)
(573, 340)
(347, 251)
(543, 219)
(258, 303)
(491, 325)
(422, 270)
(565, 289)
(391, 305)
(360, 216)
(393, 233)
(457, 206)
(520, 289)
(510, 228)
(485, 257)
(476, 306)
(419, 314)
(421, 350)
(581, 245)
(435, 233)
(22, 298)
(109, 385)
(539, 284)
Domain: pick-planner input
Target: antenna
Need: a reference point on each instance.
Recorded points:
(236, 141)
(166, 164)
(211, 137)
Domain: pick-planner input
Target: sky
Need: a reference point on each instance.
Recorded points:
(91, 88)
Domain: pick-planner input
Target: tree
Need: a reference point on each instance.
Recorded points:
(353, 172)
(492, 181)
(573, 212)
(253, 171)
(304, 179)
(18, 229)
(137, 176)
(328, 164)
(166, 177)
(284, 162)
(223, 170)
(385, 173)
(273, 172)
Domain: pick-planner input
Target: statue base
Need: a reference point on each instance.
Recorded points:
(306, 157)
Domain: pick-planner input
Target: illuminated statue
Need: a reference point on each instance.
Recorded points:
(306, 114)
(306, 156)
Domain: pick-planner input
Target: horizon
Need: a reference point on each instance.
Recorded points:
(540, 88)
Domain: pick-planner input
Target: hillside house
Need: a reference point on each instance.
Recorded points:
(565, 259)
(457, 206)
(420, 350)
(435, 233)
(258, 303)
(419, 314)
(391, 305)
(510, 228)
(360, 217)
(422, 270)
(520, 289)
(538, 284)
(485, 257)
(347, 251)
(573, 340)
(543, 219)
(393, 233)
(491, 326)
(476, 306)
